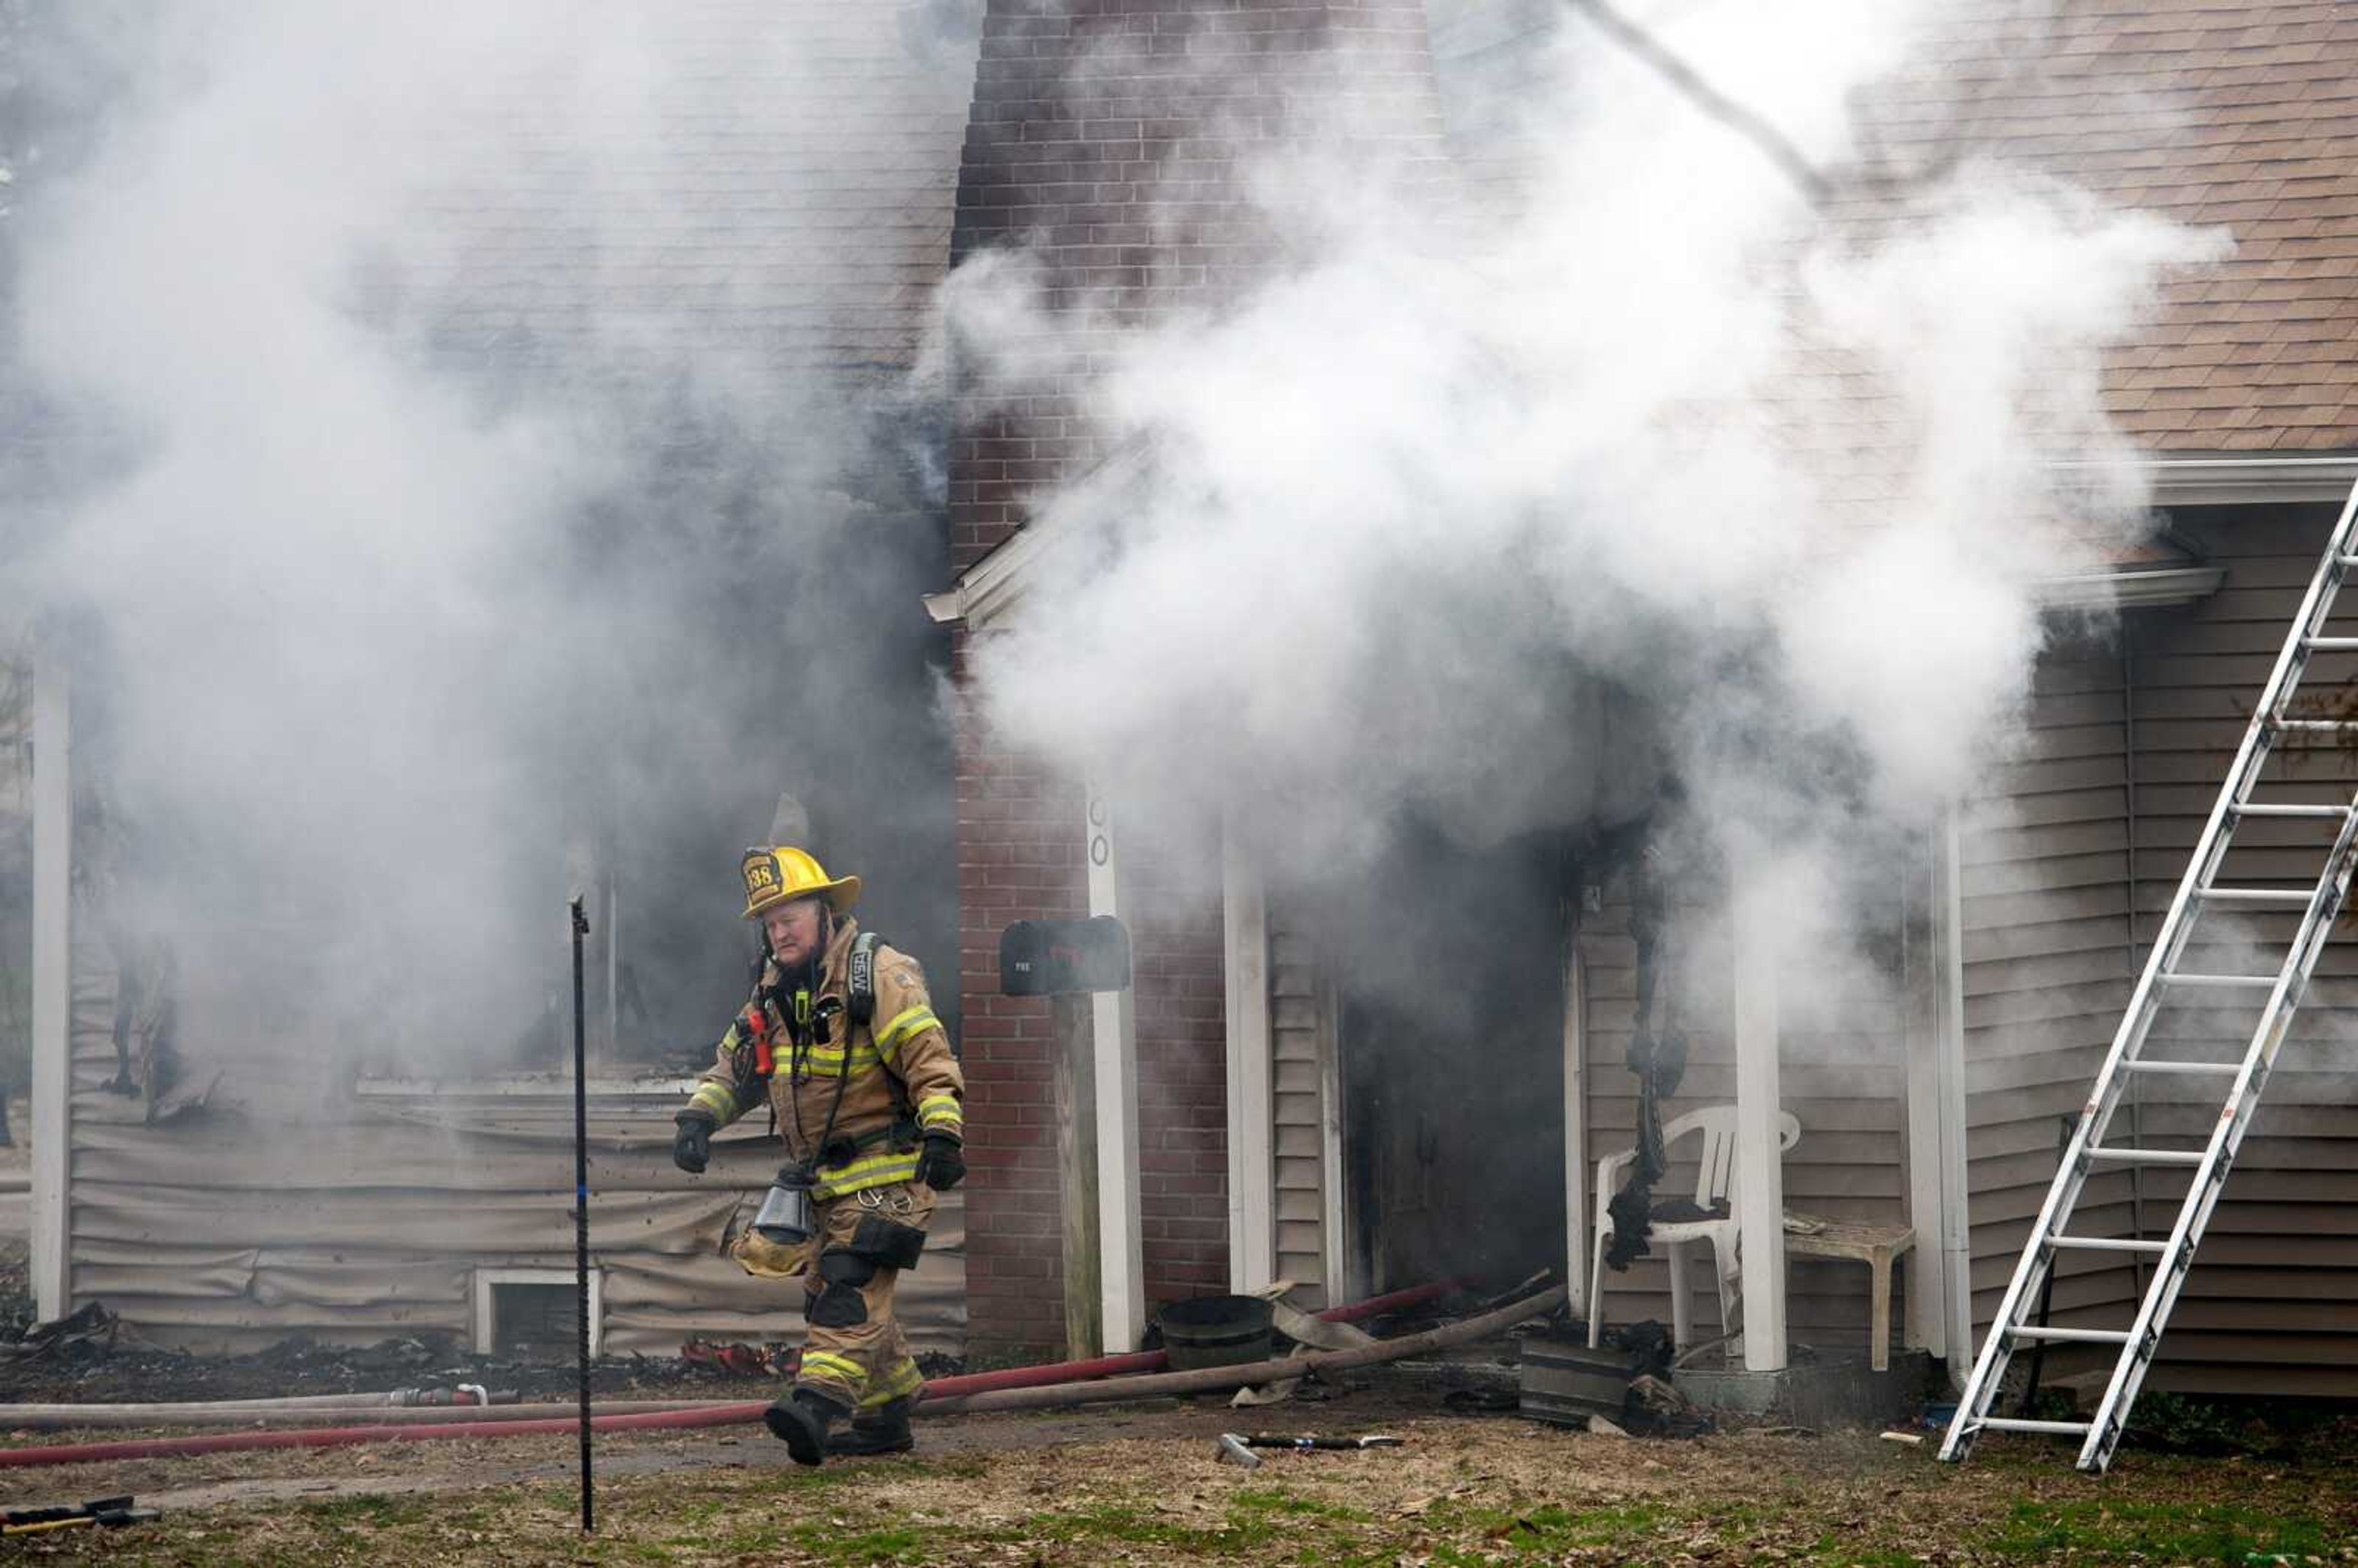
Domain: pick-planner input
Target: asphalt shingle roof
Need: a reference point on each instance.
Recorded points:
(2235, 112)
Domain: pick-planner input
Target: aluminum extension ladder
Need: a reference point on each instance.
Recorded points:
(2089, 1149)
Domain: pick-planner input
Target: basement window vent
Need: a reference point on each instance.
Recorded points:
(528, 1314)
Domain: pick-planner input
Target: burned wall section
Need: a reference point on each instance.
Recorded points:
(1112, 143)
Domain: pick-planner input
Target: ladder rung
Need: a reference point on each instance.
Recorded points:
(2076, 1336)
(2323, 813)
(2107, 1244)
(2147, 1156)
(2142, 1066)
(2314, 726)
(2220, 982)
(2022, 1424)
(2332, 644)
(2257, 895)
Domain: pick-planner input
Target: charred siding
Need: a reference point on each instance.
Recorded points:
(289, 1202)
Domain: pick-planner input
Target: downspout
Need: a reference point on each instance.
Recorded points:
(2137, 963)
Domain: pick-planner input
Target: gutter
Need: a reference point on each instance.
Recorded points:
(2131, 588)
(2225, 479)
(995, 584)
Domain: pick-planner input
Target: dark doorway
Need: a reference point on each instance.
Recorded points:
(1451, 975)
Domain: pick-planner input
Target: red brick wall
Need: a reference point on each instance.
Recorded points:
(1019, 858)
(1106, 136)
(1182, 1087)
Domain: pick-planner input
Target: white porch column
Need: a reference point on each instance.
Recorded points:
(1334, 1215)
(1955, 1236)
(1576, 1123)
(1113, 1032)
(1252, 1163)
(1760, 1166)
(1935, 1068)
(52, 1084)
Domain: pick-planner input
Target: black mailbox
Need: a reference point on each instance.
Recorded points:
(1046, 957)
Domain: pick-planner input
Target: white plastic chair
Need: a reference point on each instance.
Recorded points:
(1714, 1185)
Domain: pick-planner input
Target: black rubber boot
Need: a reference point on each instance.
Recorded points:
(800, 1420)
(884, 1430)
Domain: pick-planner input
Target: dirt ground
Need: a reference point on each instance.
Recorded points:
(1143, 1484)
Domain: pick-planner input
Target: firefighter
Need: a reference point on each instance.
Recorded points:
(840, 1038)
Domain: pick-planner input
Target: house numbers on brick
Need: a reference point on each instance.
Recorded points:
(1100, 847)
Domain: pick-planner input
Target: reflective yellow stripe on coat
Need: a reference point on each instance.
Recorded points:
(906, 1023)
(869, 1170)
(826, 1061)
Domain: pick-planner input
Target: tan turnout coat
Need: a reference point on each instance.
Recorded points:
(897, 1065)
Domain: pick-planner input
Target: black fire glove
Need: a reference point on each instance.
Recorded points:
(691, 1146)
(943, 1164)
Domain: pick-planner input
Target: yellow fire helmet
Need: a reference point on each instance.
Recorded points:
(780, 874)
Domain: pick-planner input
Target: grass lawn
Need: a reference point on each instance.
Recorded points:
(1463, 1492)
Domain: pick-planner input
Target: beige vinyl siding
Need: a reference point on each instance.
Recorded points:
(2048, 969)
(1844, 1077)
(1299, 1029)
(2271, 1306)
(289, 1203)
(2078, 844)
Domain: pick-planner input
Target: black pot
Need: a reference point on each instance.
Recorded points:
(1216, 1331)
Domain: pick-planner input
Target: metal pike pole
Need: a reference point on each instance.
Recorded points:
(581, 1204)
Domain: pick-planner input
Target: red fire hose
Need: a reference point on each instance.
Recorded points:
(736, 1414)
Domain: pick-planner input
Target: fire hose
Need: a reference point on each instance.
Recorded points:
(1031, 1388)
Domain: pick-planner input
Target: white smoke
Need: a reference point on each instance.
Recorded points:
(1661, 429)
(451, 525)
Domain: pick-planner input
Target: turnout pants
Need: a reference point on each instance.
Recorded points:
(855, 1353)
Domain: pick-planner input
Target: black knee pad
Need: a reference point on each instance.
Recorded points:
(888, 1242)
(838, 1306)
(842, 1266)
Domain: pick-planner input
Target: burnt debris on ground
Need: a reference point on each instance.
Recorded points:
(87, 1362)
